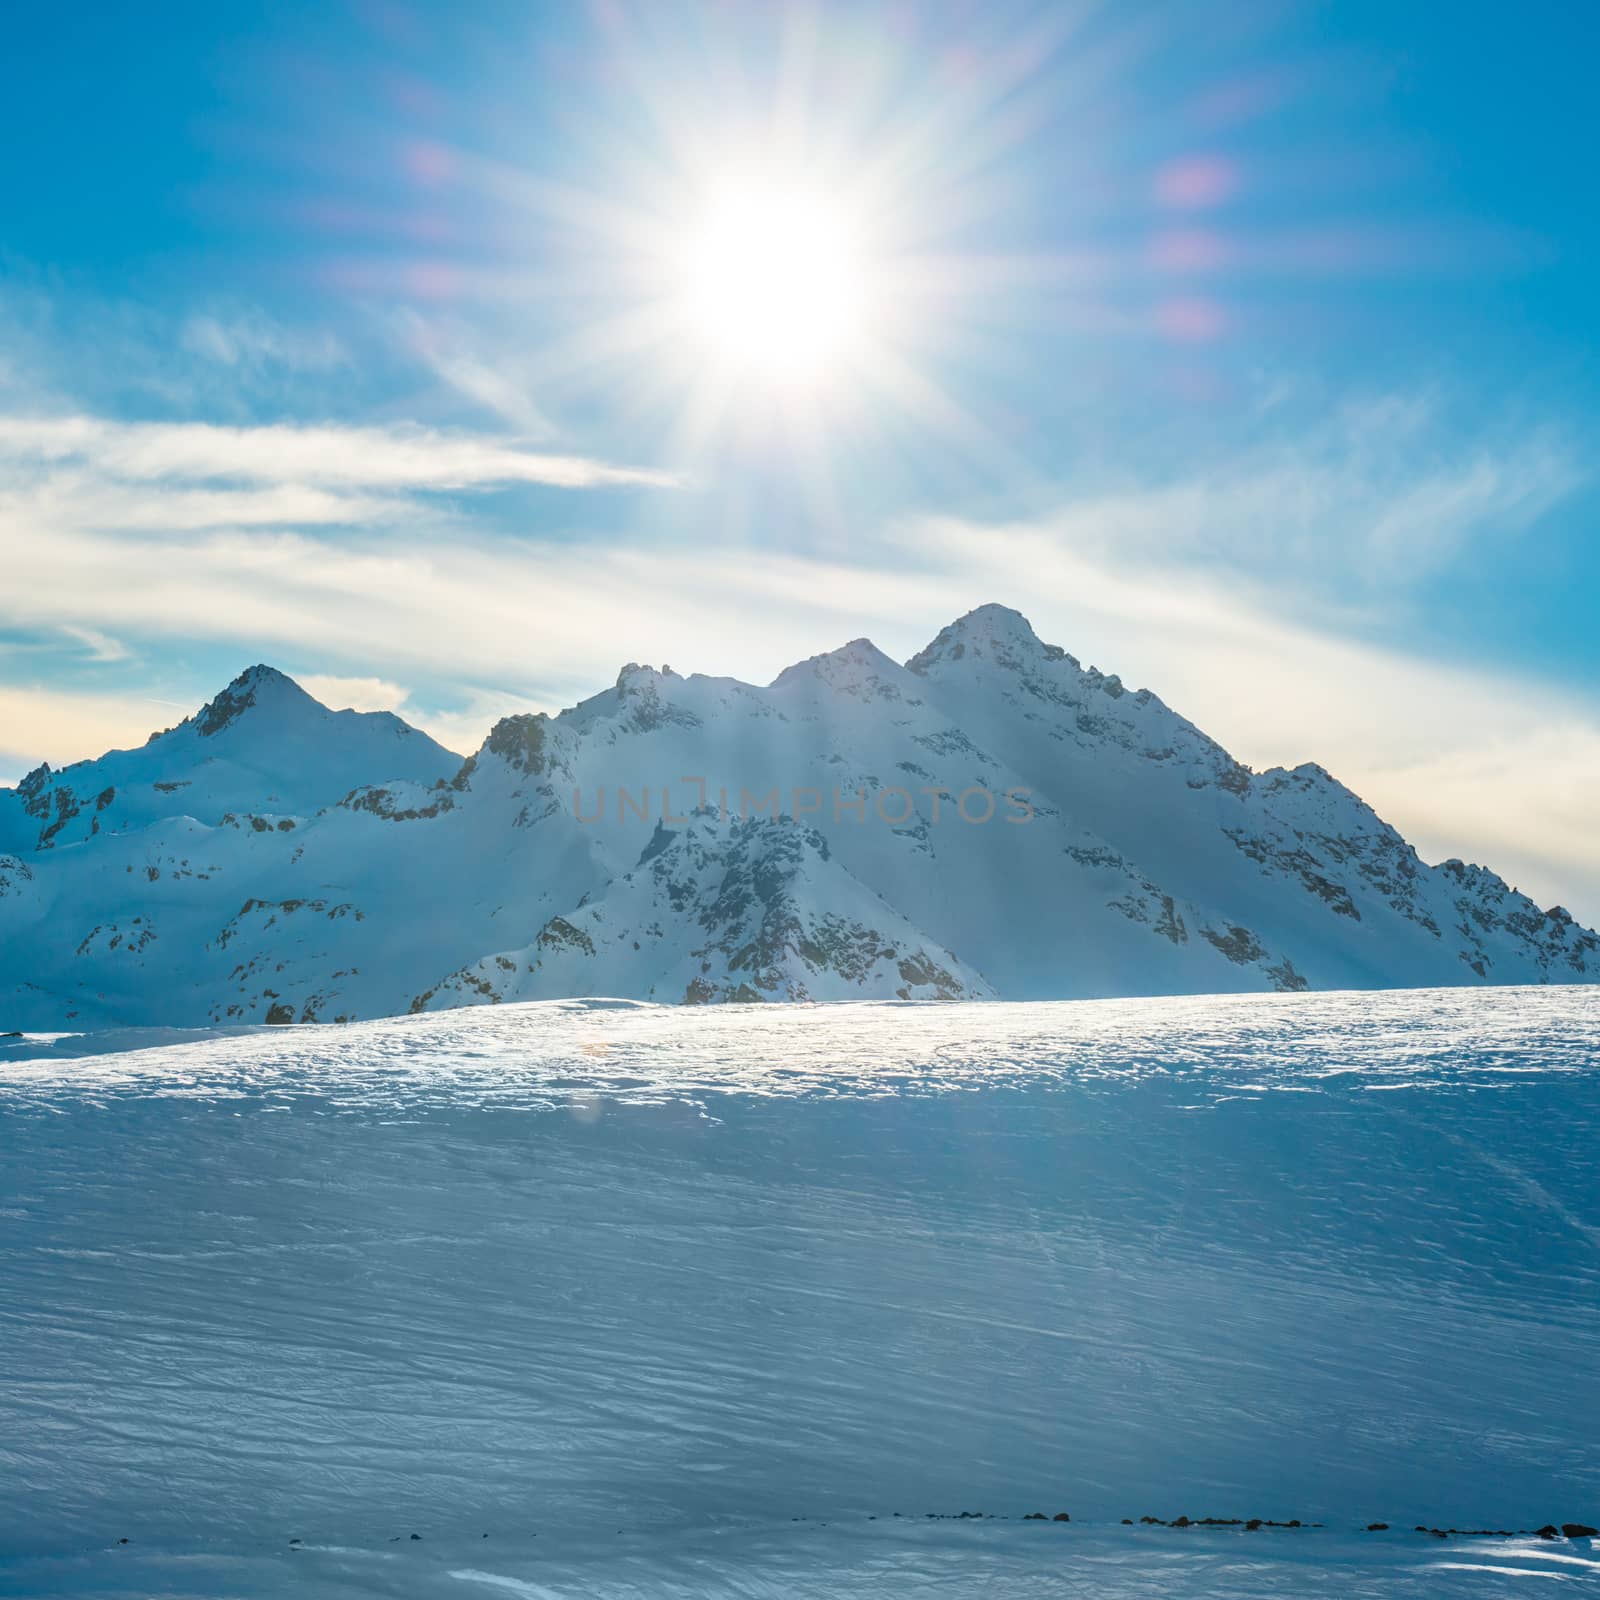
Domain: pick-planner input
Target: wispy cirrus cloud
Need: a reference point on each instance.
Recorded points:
(82, 474)
(245, 338)
(72, 497)
(101, 647)
(1384, 491)
(324, 456)
(492, 380)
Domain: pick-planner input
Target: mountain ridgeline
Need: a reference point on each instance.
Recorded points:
(990, 819)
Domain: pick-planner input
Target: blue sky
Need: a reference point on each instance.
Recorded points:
(1249, 350)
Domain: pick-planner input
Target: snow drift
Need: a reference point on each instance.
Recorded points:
(628, 1288)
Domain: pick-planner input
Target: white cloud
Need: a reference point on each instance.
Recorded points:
(101, 646)
(353, 694)
(559, 616)
(325, 456)
(70, 497)
(462, 728)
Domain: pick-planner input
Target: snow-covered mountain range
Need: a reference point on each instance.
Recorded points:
(988, 819)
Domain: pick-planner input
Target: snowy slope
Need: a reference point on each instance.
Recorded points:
(628, 1288)
(988, 819)
(262, 745)
(774, 915)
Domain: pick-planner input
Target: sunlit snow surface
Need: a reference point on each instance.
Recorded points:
(629, 1288)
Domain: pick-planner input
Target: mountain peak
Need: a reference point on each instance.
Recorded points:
(852, 666)
(993, 632)
(252, 686)
(519, 740)
(1114, 850)
(639, 678)
(995, 621)
(259, 674)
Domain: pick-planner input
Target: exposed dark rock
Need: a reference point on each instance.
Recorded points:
(519, 741)
(233, 701)
(1238, 944)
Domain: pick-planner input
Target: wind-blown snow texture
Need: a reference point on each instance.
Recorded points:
(628, 1287)
(270, 861)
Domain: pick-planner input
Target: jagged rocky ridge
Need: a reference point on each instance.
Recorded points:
(988, 819)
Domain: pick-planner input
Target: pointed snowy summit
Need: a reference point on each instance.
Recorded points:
(859, 668)
(991, 632)
(262, 746)
(257, 685)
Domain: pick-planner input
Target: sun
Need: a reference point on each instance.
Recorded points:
(775, 282)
